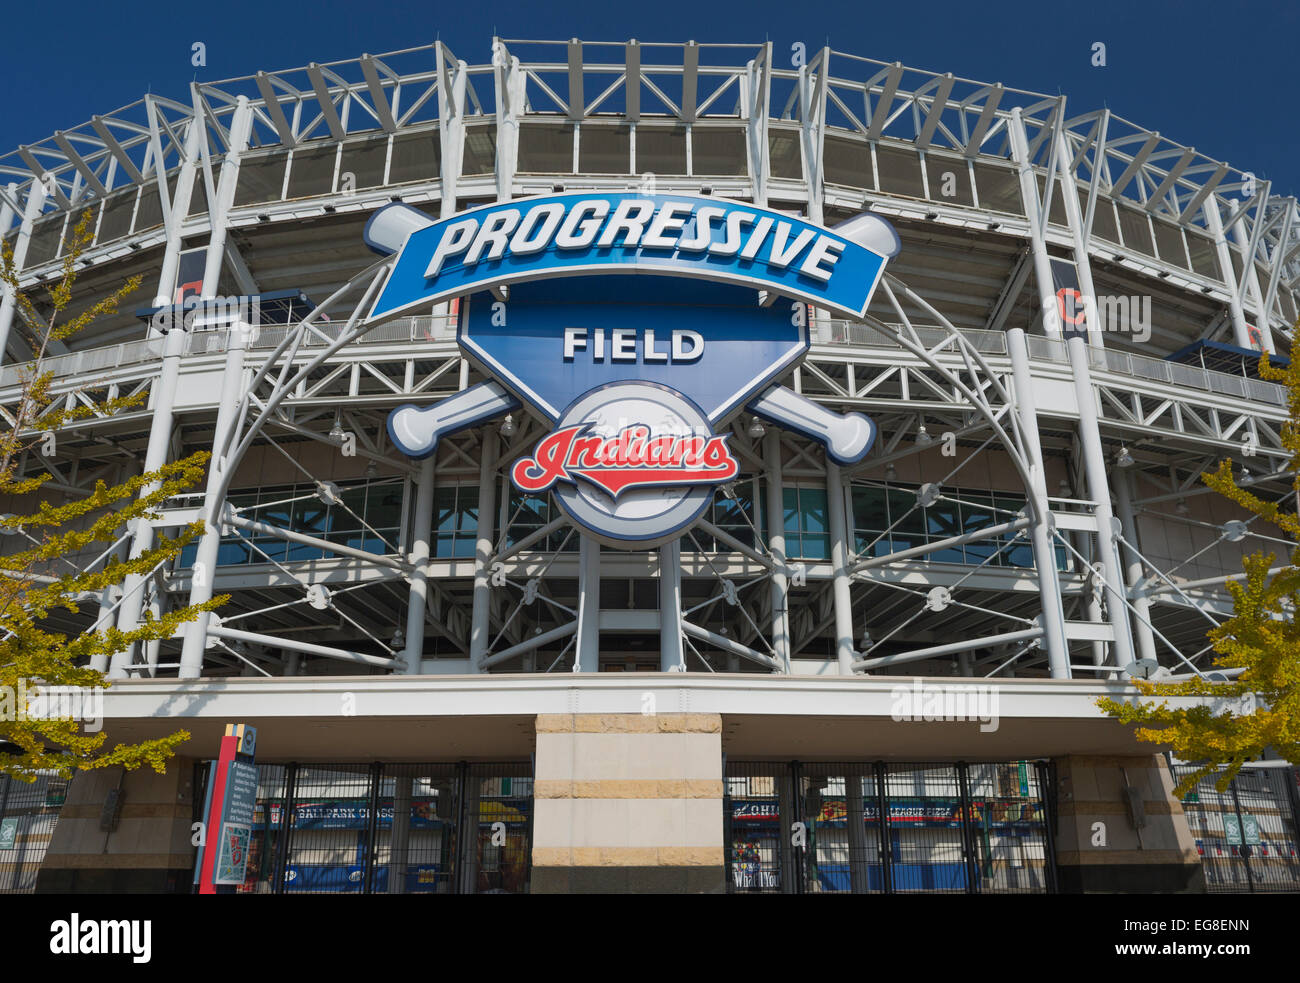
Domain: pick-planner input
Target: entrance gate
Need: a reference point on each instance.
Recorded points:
(439, 828)
(816, 828)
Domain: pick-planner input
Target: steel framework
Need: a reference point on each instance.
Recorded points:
(989, 186)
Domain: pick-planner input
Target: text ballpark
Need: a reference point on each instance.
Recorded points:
(682, 226)
(632, 458)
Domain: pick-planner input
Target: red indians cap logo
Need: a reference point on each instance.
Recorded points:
(632, 458)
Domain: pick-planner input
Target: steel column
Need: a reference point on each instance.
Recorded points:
(240, 127)
(842, 599)
(1146, 641)
(780, 584)
(419, 560)
(160, 437)
(1214, 225)
(8, 300)
(672, 651)
(205, 560)
(587, 657)
(1094, 460)
(166, 293)
(480, 618)
(1049, 585)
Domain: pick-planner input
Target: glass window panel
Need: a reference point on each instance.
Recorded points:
(260, 179)
(999, 188)
(812, 509)
(900, 171)
(660, 149)
(783, 147)
(718, 150)
(364, 159)
(546, 148)
(414, 158)
(312, 171)
(847, 162)
(604, 149)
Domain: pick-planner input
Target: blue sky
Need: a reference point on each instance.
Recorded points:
(1214, 76)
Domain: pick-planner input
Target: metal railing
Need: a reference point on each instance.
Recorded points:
(430, 328)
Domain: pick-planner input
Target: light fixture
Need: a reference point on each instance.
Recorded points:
(866, 640)
(372, 470)
(336, 431)
(508, 426)
(756, 428)
(1183, 508)
(923, 436)
(1245, 475)
(891, 473)
(399, 639)
(1124, 459)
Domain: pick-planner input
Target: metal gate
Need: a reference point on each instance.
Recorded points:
(440, 828)
(28, 814)
(1246, 835)
(816, 828)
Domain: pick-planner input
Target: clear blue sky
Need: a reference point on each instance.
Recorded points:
(1219, 77)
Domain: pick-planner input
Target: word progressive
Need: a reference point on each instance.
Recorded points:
(686, 226)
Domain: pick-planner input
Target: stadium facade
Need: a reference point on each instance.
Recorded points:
(855, 648)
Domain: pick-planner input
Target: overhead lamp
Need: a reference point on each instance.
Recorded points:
(1245, 475)
(923, 436)
(508, 426)
(336, 431)
(756, 428)
(865, 643)
(399, 639)
(372, 470)
(1183, 508)
(891, 473)
(1124, 459)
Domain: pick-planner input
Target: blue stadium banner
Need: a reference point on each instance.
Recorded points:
(624, 232)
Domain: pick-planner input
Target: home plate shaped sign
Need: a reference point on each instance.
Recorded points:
(636, 327)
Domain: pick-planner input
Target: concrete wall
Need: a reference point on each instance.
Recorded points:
(628, 803)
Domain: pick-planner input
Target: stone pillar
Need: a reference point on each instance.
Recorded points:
(149, 852)
(628, 803)
(1119, 857)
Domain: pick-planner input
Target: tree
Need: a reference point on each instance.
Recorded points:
(1257, 713)
(35, 657)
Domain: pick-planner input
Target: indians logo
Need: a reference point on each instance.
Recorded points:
(634, 458)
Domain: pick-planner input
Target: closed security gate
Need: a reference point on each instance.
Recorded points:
(391, 829)
(796, 827)
(1246, 835)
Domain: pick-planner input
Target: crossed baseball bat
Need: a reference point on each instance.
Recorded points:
(416, 430)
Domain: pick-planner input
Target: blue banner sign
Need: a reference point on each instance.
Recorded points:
(622, 232)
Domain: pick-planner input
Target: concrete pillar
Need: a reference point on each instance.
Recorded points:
(628, 803)
(1101, 849)
(148, 853)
